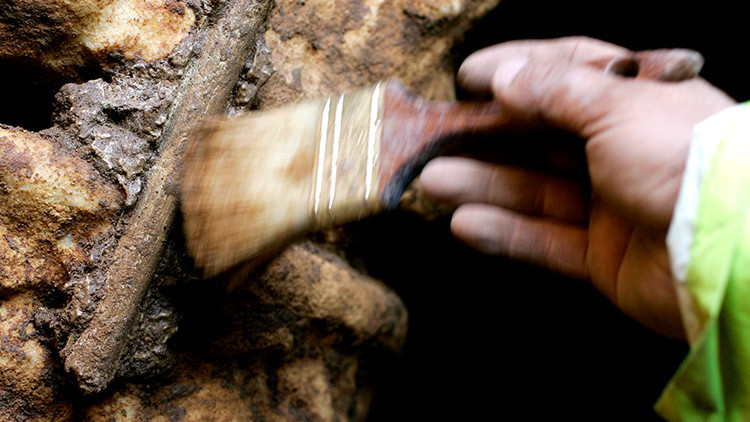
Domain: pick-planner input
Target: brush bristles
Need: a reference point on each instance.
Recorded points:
(246, 186)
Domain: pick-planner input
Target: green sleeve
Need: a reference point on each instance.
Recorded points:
(713, 277)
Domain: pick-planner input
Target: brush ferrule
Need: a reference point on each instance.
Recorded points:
(345, 179)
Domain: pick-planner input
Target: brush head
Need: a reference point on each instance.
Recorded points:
(253, 183)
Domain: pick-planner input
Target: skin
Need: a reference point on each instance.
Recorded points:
(609, 229)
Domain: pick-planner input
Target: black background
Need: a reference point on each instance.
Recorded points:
(491, 339)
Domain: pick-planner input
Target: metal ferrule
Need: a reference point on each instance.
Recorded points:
(345, 179)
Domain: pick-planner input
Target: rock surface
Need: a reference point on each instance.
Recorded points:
(323, 47)
(303, 339)
(63, 36)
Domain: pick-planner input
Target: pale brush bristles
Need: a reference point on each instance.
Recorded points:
(246, 185)
(253, 183)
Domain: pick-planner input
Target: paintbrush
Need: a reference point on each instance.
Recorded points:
(255, 182)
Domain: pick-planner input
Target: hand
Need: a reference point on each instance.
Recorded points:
(612, 230)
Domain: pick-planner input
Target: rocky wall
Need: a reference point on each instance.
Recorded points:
(101, 315)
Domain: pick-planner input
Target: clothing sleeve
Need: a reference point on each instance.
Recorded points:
(709, 247)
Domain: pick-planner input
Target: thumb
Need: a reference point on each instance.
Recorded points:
(566, 95)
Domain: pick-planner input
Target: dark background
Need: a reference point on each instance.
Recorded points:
(491, 339)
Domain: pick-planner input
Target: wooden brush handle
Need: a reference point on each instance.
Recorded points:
(415, 130)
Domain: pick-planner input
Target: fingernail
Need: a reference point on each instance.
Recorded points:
(507, 71)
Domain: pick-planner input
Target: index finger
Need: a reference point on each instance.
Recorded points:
(475, 74)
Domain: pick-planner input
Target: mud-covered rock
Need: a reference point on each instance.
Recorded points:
(63, 36)
(53, 206)
(303, 339)
(319, 48)
(32, 384)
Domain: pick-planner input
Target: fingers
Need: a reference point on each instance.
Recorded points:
(475, 74)
(575, 98)
(556, 246)
(462, 180)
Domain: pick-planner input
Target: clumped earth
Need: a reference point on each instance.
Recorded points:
(101, 315)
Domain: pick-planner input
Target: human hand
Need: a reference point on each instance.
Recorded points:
(612, 230)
